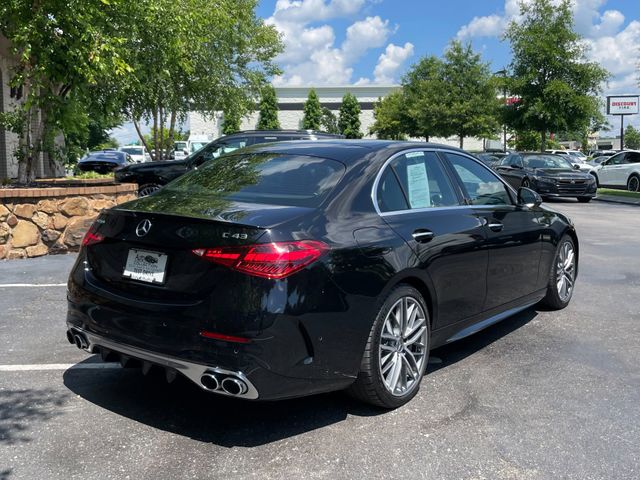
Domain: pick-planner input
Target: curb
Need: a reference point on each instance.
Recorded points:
(618, 200)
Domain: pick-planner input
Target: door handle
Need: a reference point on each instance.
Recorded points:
(495, 226)
(422, 235)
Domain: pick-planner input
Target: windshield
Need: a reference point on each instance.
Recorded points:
(546, 161)
(271, 178)
(577, 155)
(132, 150)
(195, 146)
(180, 146)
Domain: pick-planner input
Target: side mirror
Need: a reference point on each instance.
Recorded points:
(528, 197)
(517, 166)
(576, 166)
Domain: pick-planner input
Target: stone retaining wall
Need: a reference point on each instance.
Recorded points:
(38, 221)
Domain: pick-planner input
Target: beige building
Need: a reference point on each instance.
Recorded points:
(291, 103)
(9, 97)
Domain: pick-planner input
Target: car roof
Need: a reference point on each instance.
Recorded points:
(284, 132)
(343, 150)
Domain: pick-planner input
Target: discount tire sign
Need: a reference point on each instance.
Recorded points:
(622, 105)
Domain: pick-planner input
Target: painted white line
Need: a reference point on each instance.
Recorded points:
(15, 285)
(57, 366)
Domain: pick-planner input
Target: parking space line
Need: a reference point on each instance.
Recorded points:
(17, 285)
(57, 366)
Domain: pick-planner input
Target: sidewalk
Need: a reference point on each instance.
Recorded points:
(617, 199)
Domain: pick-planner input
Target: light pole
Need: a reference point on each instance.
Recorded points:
(503, 72)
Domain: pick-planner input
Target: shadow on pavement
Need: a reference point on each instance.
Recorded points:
(184, 409)
(19, 409)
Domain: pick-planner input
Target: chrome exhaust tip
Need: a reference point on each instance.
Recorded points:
(70, 338)
(209, 381)
(80, 341)
(234, 386)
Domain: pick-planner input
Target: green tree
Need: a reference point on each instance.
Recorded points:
(349, 119)
(424, 90)
(61, 49)
(557, 87)
(187, 56)
(231, 121)
(389, 117)
(631, 138)
(312, 112)
(470, 106)
(329, 121)
(268, 110)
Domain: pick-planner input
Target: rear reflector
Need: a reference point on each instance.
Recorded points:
(92, 237)
(268, 260)
(225, 338)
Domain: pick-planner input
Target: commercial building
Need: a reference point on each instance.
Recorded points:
(291, 111)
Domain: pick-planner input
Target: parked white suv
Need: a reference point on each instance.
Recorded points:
(576, 157)
(620, 170)
(138, 153)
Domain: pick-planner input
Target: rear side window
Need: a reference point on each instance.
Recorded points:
(482, 186)
(412, 181)
(271, 178)
(632, 157)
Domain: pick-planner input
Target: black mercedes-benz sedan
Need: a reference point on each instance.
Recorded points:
(294, 268)
(548, 174)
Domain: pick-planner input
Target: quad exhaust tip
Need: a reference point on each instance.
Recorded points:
(209, 381)
(78, 339)
(229, 385)
(234, 386)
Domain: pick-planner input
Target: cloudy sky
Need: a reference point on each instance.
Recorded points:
(345, 42)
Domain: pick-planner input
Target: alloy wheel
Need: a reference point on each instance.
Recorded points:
(565, 271)
(148, 189)
(634, 184)
(403, 346)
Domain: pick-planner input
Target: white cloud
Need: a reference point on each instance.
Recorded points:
(489, 26)
(617, 53)
(311, 56)
(390, 62)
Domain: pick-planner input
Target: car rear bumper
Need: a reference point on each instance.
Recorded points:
(288, 354)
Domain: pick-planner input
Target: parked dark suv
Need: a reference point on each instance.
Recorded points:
(153, 175)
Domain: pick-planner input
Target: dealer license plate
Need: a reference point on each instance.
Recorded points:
(145, 266)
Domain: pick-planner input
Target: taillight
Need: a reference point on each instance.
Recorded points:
(92, 237)
(268, 260)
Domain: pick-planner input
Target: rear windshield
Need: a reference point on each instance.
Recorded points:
(271, 178)
(104, 156)
(132, 150)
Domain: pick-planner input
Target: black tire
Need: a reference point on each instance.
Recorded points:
(597, 180)
(584, 199)
(633, 184)
(370, 386)
(553, 299)
(148, 189)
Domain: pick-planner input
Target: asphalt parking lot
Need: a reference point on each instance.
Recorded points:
(543, 395)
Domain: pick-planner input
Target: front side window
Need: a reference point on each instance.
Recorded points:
(616, 159)
(414, 180)
(482, 186)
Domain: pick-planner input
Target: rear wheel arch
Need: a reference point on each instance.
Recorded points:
(421, 286)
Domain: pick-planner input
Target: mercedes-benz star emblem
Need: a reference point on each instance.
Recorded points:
(143, 228)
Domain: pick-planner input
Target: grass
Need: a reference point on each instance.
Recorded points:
(619, 193)
(89, 175)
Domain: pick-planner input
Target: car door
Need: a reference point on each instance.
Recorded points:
(417, 198)
(512, 170)
(514, 234)
(612, 171)
(631, 164)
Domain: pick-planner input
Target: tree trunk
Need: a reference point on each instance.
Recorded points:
(140, 136)
(172, 131)
(155, 135)
(461, 138)
(543, 140)
(161, 147)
